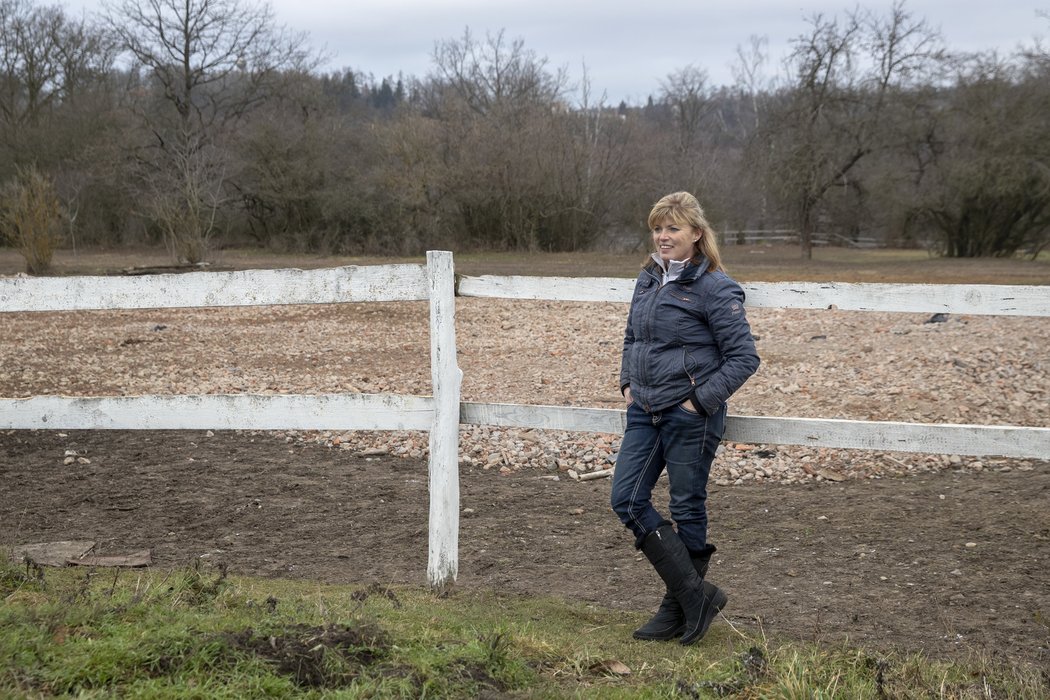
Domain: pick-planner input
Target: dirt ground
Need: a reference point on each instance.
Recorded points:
(946, 563)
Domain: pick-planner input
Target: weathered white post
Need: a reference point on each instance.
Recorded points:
(443, 561)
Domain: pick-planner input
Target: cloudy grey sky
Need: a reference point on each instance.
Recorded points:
(628, 47)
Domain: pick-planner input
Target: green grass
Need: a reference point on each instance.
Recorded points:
(196, 633)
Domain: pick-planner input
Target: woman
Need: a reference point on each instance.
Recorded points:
(687, 348)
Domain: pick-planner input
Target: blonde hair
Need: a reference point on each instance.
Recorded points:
(683, 209)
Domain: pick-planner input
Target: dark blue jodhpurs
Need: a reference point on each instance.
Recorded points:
(683, 443)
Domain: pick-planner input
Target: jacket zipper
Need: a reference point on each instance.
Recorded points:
(685, 366)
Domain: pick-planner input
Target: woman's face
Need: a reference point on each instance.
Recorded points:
(674, 242)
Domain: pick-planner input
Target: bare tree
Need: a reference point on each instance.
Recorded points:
(212, 62)
(498, 108)
(748, 76)
(28, 60)
(584, 167)
(185, 198)
(747, 198)
(45, 60)
(495, 73)
(687, 93)
(827, 119)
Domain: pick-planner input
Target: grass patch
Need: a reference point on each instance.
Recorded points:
(197, 632)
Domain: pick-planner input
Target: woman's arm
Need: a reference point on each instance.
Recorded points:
(732, 334)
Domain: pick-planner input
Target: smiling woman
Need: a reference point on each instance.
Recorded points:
(687, 348)
(674, 243)
(682, 234)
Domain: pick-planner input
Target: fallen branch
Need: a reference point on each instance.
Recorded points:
(587, 476)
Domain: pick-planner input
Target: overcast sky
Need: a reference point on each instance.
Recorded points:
(628, 47)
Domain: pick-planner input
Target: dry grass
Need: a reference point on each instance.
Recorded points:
(745, 263)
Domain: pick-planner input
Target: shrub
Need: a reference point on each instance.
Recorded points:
(30, 218)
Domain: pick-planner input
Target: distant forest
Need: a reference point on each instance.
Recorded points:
(200, 124)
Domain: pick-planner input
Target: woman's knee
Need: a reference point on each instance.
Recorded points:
(620, 500)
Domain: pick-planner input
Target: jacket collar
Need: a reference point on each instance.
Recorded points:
(690, 273)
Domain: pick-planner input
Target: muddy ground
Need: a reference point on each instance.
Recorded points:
(946, 563)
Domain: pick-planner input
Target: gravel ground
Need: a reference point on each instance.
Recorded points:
(828, 364)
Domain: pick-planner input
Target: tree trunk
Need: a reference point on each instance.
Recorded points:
(805, 232)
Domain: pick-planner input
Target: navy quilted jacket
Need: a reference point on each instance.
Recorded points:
(687, 339)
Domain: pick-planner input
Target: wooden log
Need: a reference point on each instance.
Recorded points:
(600, 474)
(52, 553)
(142, 557)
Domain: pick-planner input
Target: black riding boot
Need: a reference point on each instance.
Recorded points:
(699, 602)
(669, 622)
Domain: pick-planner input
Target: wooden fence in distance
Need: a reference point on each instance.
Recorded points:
(443, 412)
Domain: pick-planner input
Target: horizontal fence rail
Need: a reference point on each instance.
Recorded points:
(220, 412)
(890, 436)
(195, 289)
(404, 412)
(976, 299)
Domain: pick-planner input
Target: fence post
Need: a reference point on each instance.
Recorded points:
(443, 560)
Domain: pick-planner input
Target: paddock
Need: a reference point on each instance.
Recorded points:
(167, 490)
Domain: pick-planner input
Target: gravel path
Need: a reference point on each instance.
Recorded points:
(829, 364)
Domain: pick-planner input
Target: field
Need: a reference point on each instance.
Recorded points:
(949, 561)
(745, 263)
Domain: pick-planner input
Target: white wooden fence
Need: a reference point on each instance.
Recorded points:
(443, 412)
(791, 236)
